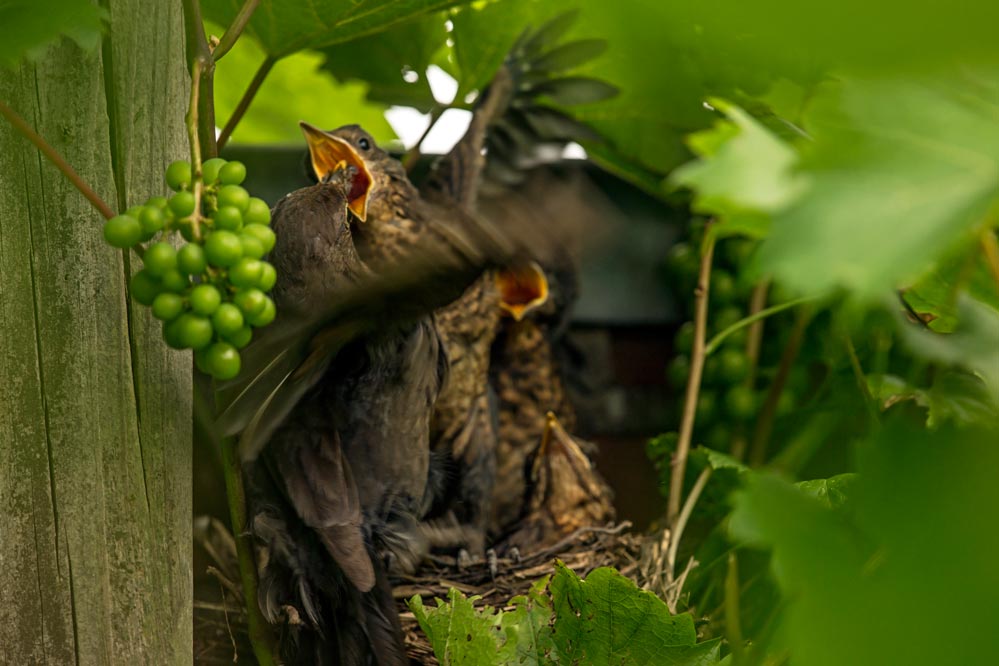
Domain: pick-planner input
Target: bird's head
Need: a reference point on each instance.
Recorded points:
(349, 146)
(522, 289)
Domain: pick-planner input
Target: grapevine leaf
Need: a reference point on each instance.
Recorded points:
(28, 30)
(744, 173)
(458, 633)
(286, 26)
(934, 295)
(900, 173)
(832, 492)
(961, 398)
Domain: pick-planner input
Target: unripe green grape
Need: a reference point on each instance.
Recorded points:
(228, 218)
(268, 277)
(257, 212)
(160, 258)
(205, 299)
(223, 249)
(682, 260)
(201, 360)
(233, 195)
(178, 175)
(134, 211)
(264, 234)
(232, 173)
(740, 403)
(678, 371)
(265, 316)
(250, 301)
(733, 365)
(246, 272)
(786, 403)
(705, 407)
(709, 373)
(684, 339)
(191, 259)
(186, 230)
(156, 202)
(152, 220)
(182, 204)
(175, 281)
(122, 231)
(737, 251)
(722, 288)
(144, 287)
(210, 170)
(168, 307)
(227, 320)
(171, 333)
(240, 338)
(223, 361)
(252, 247)
(194, 331)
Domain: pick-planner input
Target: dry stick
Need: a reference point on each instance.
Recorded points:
(245, 100)
(991, 248)
(57, 160)
(234, 30)
(693, 382)
(765, 422)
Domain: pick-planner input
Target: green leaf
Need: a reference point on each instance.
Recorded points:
(286, 26)
(744, 173)
(832, 492)
(716, 460)
(29, 29)
(607, 619)
(900, 172)
(907, 576)
(973, 345)
(962, 398)
(528, 628)
(458, 633)
(381, 60)
(937, 291)
(281, 103)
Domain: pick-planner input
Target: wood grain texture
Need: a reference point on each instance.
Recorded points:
(95, 478)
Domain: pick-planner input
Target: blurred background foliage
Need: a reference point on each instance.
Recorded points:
(843, 159)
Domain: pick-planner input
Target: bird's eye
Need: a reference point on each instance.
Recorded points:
(364, 143)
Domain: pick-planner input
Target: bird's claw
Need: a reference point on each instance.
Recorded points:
(514, 554)
(493, 562)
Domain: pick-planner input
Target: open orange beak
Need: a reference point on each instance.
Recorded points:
(522, 289)
(329, 153)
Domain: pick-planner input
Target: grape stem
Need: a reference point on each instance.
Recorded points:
(245, 100)
(679, 463)
(746, 321)
(192, 136)
(235, 29)
(57, 160)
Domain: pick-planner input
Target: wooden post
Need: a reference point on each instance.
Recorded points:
(95, 411)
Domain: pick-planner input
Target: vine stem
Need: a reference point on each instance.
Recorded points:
(694, 380)
(57, 160)
(245, 100)
(235, 29)
(197, 67)
(684, 516)
(765, 422)
(751, 319)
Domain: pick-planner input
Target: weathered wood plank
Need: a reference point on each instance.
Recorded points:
(95, 478)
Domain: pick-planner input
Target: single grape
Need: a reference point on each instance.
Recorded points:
(232, 173)
(167, 306)
(186, 230)
(223, 249)
(194, 331)
(264, 234)
(678, 371)
(709, 374)
(175, 281)
(684, 340)
(171, 333)
(265, 316)
(240, 338)
(733, 365)
(228, 218)
(201, 360)
(210, 170)
(722, 289)
(268, 276)
(227, 320)
(737, 251)
(122, 231)
(250, 301)
(160, 258)
(252, 247)
(134, 211)
(205, 299)
(144, 287)
(191, 259)
(705, 407)
(152, 220)
(246, 272)
(178, 175)
(682, 260)
(740, 403)
(223, 361)
(233, 195)
(182, 204)
(156, 202)
(786, 403)
(257, 212)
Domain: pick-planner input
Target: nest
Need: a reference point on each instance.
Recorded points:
(220, 629)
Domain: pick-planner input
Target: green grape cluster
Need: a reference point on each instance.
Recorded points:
(211, 292)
